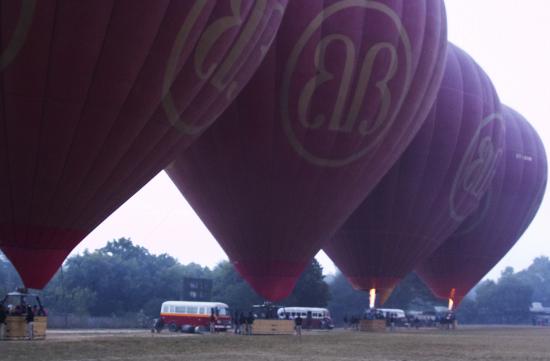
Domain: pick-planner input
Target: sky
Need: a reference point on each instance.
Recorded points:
(510, 39)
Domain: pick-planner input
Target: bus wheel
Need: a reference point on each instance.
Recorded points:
(173, 327)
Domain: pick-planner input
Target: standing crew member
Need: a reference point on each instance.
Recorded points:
(250, 322)
(3, 316)
(237, 321)
(212, 321)
(244, 324)
(298, 325)
(29, 317)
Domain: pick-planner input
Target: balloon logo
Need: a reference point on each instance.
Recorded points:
(359, 84)
(20, 33)
(221, 76)
(476, 169)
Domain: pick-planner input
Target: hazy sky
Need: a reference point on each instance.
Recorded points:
(510, 39)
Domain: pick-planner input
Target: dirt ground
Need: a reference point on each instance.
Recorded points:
(522, 344)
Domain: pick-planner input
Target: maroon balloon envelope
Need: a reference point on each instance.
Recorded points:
(437, 182)
(98, 96)
(341, 93)
(505, 213)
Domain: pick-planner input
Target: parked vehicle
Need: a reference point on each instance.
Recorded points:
(313, 317)
(398, 315)
(193, 316)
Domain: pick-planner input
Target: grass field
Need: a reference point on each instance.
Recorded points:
(522, 344)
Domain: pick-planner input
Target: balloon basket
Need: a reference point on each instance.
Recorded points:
(372, 325)
(16, 328)
(272, 327)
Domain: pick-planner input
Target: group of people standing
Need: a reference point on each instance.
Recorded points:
(243, 323)
(351, 322)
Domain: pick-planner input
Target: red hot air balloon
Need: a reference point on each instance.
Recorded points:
(339, 96)
(97, 97)
(437, 182)
(505, 213)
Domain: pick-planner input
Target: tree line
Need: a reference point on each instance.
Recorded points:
(122, 279)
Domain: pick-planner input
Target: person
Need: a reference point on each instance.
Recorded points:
(212, 321)
(242, 322)
(29, 317)
(452, 321)
(158, 325)
(18, 310)
(298, 325)
(3, 316)
(42, 311)
(346, 321)
(393, 319)
(309, 318)
(250, 321)
(237, 321)
(357, 322)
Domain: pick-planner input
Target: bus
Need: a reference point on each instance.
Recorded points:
(194, 315)
(313, 317)
(398, 315)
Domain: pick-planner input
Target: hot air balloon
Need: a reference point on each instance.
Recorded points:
(504, 214)
(431, 189)
(339, 96)
(97, 96)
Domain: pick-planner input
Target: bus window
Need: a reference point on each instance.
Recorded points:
(202, 310)
(166, 309)
(180, 309)
(192, 310)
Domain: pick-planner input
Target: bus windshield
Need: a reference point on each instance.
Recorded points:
(223, 311)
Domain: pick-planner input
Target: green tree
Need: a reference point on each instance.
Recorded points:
(311, 289)
(9, 278)
(504, 302)
(412, 294)
(344, 300)
(229, 287)
(537, 275)
(117, 279)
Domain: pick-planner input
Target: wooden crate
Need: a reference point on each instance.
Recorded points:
(372, 325)
(16, 328)
(273, 327)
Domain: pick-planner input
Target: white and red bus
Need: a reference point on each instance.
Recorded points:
(185, 315)
(313, 317)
